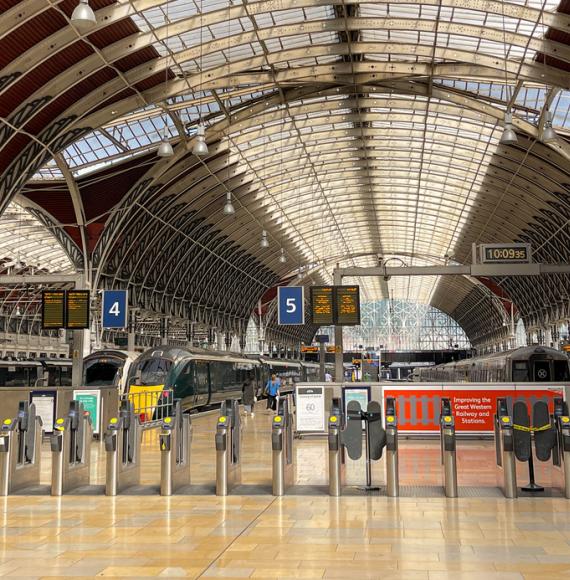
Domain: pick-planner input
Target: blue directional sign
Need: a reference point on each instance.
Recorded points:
(291, 305)
(115, 307)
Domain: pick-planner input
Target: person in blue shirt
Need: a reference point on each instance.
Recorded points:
(272, 389)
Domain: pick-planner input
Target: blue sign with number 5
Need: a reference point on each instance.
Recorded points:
(291, 305)
(115, 305)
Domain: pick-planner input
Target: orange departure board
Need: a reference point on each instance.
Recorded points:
(77, 309)
(347, 305)
(322, 311)
(53, 309)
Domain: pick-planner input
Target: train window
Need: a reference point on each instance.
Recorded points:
(17, 376)
(542, 370)
(184, 385)
(102, 373)
(520, 371)
(561, 370)
(202, 377)
(154, 371)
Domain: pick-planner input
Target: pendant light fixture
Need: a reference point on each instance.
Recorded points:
(264, 242)
(229, 208)
(200, 148)
(83, 16)
(509, 137)
(165, 148)
(283, 257)
(548, 134)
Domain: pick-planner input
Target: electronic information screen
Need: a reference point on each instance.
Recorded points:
(347, 305)
(322, 305)
(53, 309)
(505, 253)
(77, 309)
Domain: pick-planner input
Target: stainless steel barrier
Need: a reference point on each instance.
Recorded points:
(282, 448)
(337, 459)
(448, 448)
(561, 455)
(175, 440)
(123, 446)
(505, 449)
(228, 448)
(20, 450)
(151, 405)
(71, 450)
(392, 467)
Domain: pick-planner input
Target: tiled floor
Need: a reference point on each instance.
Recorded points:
(291, 537)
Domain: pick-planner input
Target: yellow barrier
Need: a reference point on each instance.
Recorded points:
(145, 400)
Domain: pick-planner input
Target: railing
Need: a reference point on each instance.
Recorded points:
(151, 405)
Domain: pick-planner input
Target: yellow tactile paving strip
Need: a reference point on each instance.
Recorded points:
(291, 537)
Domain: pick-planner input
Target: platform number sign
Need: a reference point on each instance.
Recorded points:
(290, 305)
(115, 306)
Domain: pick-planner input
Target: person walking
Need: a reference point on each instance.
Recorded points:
(248, 394)
(272, 390)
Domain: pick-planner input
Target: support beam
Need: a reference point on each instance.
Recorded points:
(339, 349)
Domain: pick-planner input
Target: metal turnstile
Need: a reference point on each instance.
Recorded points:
(448, 448)
(228, 448)
(392, 474)
(20, 450)
(561, 456)
(337, 458)
(123, 446)
(175, 439)
(282, 446)
(71, 450)
(505, 449)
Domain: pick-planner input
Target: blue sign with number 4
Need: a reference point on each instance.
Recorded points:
(115, 307)
(291, 305)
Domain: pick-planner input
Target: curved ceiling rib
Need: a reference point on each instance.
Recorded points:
(347, 130)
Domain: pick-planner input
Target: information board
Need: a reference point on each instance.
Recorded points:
(92, 404)
(505, 253)
(45, 403)
(322, 311)
(115, 307)
(53, 309)
(360, 394)
(77, 309)
(347, 305)
(310, 407)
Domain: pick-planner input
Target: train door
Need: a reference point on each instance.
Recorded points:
(202, 380)
(542, 371)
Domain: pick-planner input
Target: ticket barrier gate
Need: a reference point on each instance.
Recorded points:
(20, 450)
(561, 456)
(228, 448)
(175, 439)
(282, 448)
(123, 446)
(448, 448)
(505, 448)
(71, 450)
(337, 456)
(392, 467)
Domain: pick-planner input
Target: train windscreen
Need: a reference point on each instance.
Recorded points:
(561, 372)
(520, 370)
(151, 372)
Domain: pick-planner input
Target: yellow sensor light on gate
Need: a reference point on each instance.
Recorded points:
(565, 419)
(390, 419)
(59, 421)
(277, 419)
(222, 420)
(506, 420)
(447, 419)
(333, 419)
(7, 421)
(114, 420)
(168, 420)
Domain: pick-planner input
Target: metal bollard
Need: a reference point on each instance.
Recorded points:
(392, 467)
(278, 456)
(222, 458)
(504, 430)
(448, 449)
(175, 436)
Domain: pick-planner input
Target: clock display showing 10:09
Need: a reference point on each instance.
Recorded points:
(506, 254)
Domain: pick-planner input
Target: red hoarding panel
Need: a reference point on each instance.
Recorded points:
(418, 409)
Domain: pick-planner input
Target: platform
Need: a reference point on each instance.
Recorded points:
(305, 534)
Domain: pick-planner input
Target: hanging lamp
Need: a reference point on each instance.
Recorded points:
(83, 16)
(283, 257)
(165, 148)
(200, 147)
(264, 242)
(229, 208)
(548, 134)
(509, 137)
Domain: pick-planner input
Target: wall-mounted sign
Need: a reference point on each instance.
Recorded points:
(115, 306)
(505, 253)
(290, 305)
(77, 309)
(53, 309)
(347, 305)
(322, 311)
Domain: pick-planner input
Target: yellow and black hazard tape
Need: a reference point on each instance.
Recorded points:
(532, 429)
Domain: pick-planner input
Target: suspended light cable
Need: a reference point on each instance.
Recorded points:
(509, 137)
(548, 133)
(200, 148)
(165, 148)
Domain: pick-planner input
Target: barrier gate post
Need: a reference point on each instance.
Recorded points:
(228, 448)
(505, 448)
(282, 449)
(337, 463)
(71, 450)
(448, 448)
(175, 440)
(392, 473)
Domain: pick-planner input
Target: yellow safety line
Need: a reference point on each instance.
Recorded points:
(532, 429)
